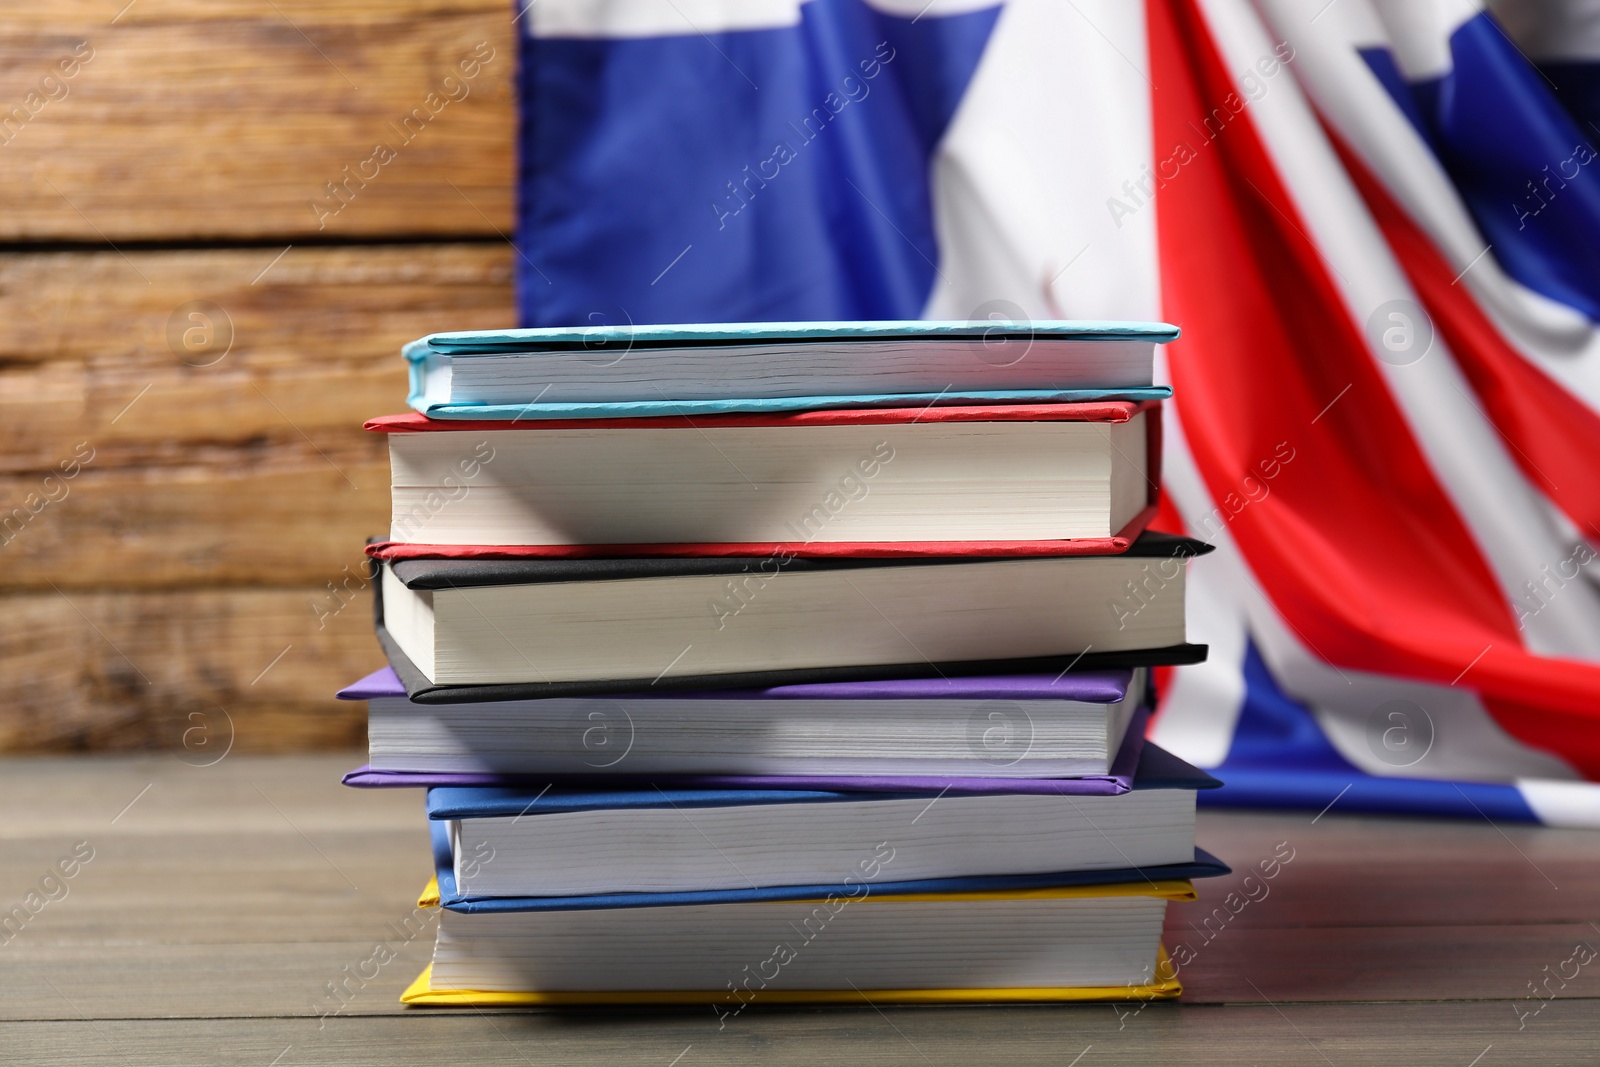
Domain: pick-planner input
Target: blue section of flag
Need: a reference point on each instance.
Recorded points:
(1530, 175)
(1280, 758)
(777, 174)
(1346, 794)
(1381, 62)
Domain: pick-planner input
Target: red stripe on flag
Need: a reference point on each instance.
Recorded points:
(1553, 436)
(1353, 539)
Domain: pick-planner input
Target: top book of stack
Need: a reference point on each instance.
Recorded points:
(1000, 439)
(766, 368)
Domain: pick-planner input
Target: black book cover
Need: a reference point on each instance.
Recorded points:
(421, 691)
(468, 573)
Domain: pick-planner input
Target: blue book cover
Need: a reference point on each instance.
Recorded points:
(628, 371)
(1204, 865)
(596, 338)
(1157, 769)
(938, 871)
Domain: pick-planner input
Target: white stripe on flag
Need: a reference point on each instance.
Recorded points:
(1464, 741)
(1507, 517)
(603, 19)
(1421, 33)
(1555, 337)
(1201, 707)
(655, 18)
(929, 9)
(1570, 804)
(1055, 124)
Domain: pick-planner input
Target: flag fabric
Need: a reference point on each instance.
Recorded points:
(1377, 223)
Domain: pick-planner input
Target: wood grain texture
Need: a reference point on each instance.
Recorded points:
(1410, 872)
(293, 351)
(208, 401)
(191, 594)
(223, 496)
(1347, 1035)
(222, 899)
(180, 670)
(187, 119)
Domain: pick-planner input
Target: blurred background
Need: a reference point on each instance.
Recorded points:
(183, 324)
(1375, 221)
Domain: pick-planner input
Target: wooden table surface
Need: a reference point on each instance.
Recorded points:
(221, 900)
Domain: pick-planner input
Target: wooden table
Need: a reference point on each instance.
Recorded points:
(220, 900)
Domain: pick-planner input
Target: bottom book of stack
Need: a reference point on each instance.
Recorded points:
(642, 892)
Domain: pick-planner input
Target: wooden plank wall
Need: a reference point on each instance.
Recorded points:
(193, 325)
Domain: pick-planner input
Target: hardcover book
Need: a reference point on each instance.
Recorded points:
(565, 627)
(1063, 935)
(626, 370)
(999, 480)
(943, 729)
(568, 842)
(1064, 943)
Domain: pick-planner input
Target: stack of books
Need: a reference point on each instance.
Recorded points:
(785, 662)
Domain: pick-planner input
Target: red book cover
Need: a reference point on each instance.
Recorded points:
(1100, 411)
(1103, 411)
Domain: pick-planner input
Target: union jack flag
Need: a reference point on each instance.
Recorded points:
(1376, 221)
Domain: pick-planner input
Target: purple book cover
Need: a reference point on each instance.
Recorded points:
(1100, 687)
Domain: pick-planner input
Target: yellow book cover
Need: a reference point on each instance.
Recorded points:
(422, 992)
